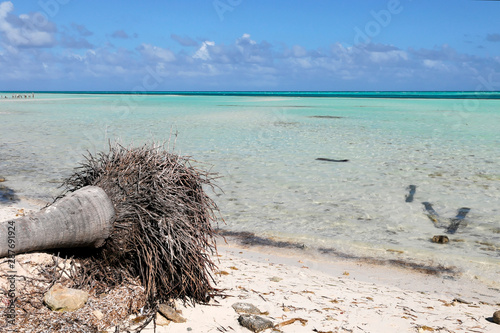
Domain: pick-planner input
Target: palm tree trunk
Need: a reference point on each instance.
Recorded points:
(83, 218)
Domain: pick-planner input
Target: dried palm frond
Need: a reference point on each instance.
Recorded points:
(163, 232)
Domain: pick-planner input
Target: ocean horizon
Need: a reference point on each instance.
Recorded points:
(360, 94)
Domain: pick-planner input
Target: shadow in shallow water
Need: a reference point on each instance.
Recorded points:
(8, 195)
(249, 238)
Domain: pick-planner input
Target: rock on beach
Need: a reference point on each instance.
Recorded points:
(496, 317)
(247, 308)
(60, 298)
(255, 323)
(171, 314)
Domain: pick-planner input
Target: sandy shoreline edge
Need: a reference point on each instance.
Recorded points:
(327, 296)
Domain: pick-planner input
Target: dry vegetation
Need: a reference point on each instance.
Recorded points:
(116, 307)
(161, 245)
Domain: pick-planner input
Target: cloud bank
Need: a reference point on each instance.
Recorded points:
(37, 56)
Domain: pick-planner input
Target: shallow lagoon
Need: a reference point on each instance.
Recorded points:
(266, 149)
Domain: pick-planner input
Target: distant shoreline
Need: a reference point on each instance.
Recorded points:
(338, 94)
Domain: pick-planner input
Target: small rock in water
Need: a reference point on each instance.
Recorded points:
(171, 314)
(2, 179)
(246, 308)
(60, 298)
(440, 239)
(496, 317)
(255, 323)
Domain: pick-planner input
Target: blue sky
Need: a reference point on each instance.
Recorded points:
(249, 45)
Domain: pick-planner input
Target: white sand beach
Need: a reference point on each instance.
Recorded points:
(300, 293)
(338, 297)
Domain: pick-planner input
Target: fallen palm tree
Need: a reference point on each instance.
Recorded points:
(160, 223)
(80, 219)
(163, 229)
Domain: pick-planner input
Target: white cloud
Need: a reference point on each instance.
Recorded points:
(299, 51)
(245, 40)
(389, 56)
(252, 52)
(156, 53)
(248, 64)
(203, 52)
(303, 63)
(435, 64)
(32, 30)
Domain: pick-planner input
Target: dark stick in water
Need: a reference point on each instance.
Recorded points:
(330, 160)
(455, 223)
(409, 197)
(431, 213)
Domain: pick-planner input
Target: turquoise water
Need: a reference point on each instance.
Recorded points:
(265, 148)
(347, 94)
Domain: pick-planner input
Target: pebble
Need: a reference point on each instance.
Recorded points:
(60, 298)
(255, 323)
(496, 317)
(440, 239)
(460, 300)
(171, 314)
(246, 308)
